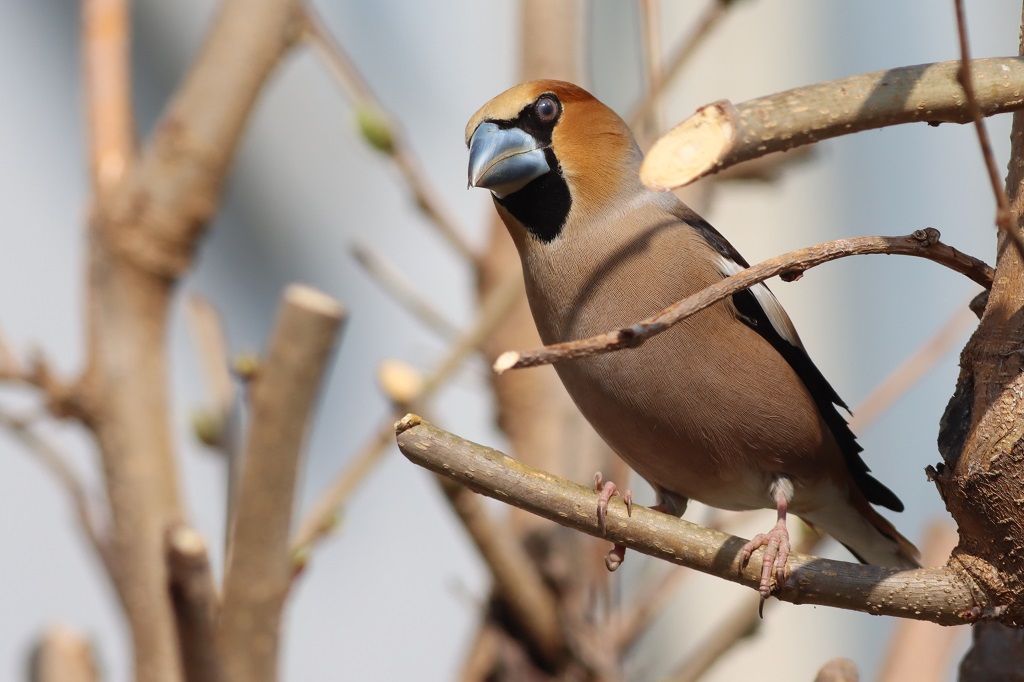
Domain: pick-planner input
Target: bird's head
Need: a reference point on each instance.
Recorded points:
(547, 150)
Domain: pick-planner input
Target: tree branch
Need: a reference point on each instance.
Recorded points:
(1004, 221)
(382, 131)
(106, 40)
(723, 134)
(196, 603)
(320, 518)
(57, 464)
(259, 565)
(922, 243)
(938, 594)
(62, 655)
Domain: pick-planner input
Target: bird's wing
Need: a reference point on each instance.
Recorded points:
(761, 311)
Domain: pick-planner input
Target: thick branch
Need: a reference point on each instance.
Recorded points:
(259, 563)
(922, 243)
(937, 594)
(723, 134)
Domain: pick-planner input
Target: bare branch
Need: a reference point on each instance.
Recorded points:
(259, 564)
(919, 650)
(922, 243)
(723, 134)
(913, 369)
(1004, 220)
(58, 466)
(516, 580)
(321, 517)
(938, 594)
(662, 77)
(106, 40)
(408, 295)
(63, 655)
(383, 132)
(196, 603)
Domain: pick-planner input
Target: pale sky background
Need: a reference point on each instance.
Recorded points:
(393, 594)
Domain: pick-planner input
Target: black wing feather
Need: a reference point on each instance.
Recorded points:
(825, 397)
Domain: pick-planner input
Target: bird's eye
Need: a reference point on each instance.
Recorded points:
(547, 109)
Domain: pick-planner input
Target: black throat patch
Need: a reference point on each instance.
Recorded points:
(542, 206)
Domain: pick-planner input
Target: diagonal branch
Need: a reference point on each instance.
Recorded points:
(723, 134)
(922, 243)
(53, 460)
(383, 132)
(940, 594)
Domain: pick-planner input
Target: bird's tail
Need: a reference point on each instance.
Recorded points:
(867, 534)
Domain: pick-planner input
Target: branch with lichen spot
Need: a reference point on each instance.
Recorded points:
(922, 243)
(723, 134)
(939, 594)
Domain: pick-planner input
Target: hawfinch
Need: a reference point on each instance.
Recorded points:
(725, 407)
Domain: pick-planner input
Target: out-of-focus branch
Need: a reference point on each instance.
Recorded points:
(922, 243)
(838, 670)
(321, 517)
(410, 297)
(259, 563)
(142, 237)
(383, 132)
(196, 603)
(106, 41)
(913, 369)
(940, 594)
(517, 583)
(58, 466)
(62, 655)
(662, 77)
(1004, 219)
(723, 134)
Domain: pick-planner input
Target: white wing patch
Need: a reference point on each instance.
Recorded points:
(769, 304)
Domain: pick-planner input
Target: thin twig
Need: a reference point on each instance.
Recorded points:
(922, 243)
(409, 296)
(58, 466)
(1004, 220)
(383, 131)
(941, 594)
(320, 519)
(913, 369)
(259, 564)
(659, 82)
(722, 134)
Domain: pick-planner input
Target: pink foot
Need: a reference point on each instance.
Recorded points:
(776, 552)
(608, 490)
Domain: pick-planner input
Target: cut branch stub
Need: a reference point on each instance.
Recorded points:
(723, 134)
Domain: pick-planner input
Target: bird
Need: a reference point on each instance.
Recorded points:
(725, 407)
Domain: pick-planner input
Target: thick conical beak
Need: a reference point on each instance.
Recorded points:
(504, 160)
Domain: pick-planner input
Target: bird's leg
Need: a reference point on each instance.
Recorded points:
(608, 489)
(775, 542)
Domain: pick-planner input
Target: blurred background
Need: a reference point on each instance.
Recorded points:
(396, 591)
